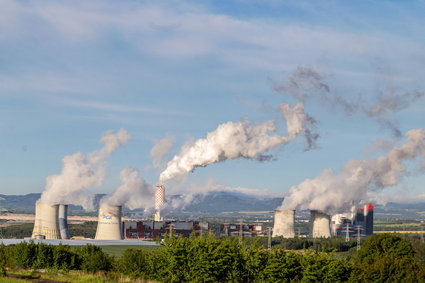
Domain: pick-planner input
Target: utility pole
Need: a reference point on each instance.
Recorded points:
(170, 230)
(240, 231)
(269, 242)
(347, 234)
(358, 237)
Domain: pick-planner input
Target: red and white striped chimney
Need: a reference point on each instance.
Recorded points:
(159, 201)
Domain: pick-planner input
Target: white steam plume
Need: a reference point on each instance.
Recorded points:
(306, 84)
(233, 140)
(80, 172)
(133, 192)
(160, 150)
(334, 192)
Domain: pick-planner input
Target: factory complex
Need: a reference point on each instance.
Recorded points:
(51, 222)
(322, 225)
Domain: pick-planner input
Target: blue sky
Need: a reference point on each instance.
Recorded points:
(71, 70)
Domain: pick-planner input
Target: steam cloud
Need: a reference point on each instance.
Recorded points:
(160, 150)
(306, 84)
(335, 192)
(133, 192)
(233, 140)
(81, 172)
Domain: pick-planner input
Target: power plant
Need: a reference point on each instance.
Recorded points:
(159, 201)
(320, 224)
(284, 222)
(46, 225)
(51, 222)
(63, 221)
(109, 225)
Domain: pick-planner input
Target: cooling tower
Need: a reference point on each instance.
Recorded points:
(159, 201)
(46, 223)
(284, 221)
(109, 226)
(63, 221)
(320, 224)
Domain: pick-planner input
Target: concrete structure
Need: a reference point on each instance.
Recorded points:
(46, 224)
(63, 221)
(362, 219)
(109, 225)
(159, 201)
(320, 224)
(284, 223)
(247, 230)
(157, 229)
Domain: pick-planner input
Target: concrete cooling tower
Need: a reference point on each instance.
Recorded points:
(46, 225)
(109, 226)
(63, 221)
(159, 201)
(284, 222)
(320, 224)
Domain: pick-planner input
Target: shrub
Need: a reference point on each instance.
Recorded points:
(93, 259)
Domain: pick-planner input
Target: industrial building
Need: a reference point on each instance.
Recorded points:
(360, 223)
(247, 230)
(46, 224)
(109, 225)
(321, 226)
(284, 223)
(157, 229)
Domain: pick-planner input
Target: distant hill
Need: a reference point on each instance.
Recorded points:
(214, 202)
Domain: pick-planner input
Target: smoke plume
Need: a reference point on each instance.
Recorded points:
(306, 84)
(233, 140)
(334, 192)
(160, 150)
(80, 172)
(133, 192)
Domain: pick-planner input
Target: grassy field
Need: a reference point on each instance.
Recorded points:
(73, 276)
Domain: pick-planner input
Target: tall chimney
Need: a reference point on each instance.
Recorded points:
(63, 221)
(368, 219)
(159, 201)
(284, 221)
(109, 225)
(46, 223)
(320, 224)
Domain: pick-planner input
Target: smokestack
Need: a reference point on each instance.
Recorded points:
(284, 221)
(320, 224)
(63, 221)
(159, 201)
(368, 219)
(109, 226)
(46, 223)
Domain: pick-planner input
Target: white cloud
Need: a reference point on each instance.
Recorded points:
(182, 31)
(98, 105)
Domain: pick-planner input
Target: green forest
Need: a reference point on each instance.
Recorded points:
(382, 258)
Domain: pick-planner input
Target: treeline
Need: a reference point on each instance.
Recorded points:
(20, 231)
(338, 244)
(383, 258)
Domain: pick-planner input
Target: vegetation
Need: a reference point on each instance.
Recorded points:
(382, 258)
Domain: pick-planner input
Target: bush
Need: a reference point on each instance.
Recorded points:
(324, 267)
(134, 263)
(282, 267)
(93, 259)
(387, 258)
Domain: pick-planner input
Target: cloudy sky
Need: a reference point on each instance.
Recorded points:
(71, 70)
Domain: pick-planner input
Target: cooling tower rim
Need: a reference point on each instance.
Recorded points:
(282, 210)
